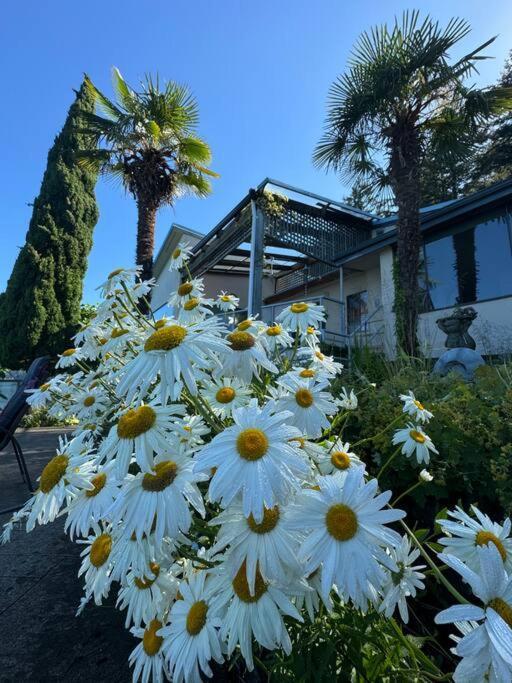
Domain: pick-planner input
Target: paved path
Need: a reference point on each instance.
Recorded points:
(40, 638)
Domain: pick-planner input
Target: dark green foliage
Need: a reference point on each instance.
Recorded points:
(350, 646)
(40, 309)
(472, 429)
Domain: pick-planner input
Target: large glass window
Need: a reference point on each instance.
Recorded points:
(472, 264)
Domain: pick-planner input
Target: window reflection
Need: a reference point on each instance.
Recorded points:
(473, 264)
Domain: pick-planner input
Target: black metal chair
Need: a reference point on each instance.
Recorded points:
(12, 414)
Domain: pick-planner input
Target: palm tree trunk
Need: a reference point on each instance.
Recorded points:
(405, 178)
(146, 220)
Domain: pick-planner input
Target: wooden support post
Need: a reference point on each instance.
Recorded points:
(255, 294)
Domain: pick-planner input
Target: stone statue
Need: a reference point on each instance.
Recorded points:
(461, 357)
(456, 326)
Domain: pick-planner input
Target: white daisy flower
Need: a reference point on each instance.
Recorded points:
(268, 545)
(466, 534)
(317, 359)
(310, 336)
(276, 337)
(308, 403)
(190, 288)
(254, 458)
(193, 309)
(147, 658)
(180, 255)
(117, 277)
(190, 430)
(140, 289)
(227, 302)
(311, 599)
(191, 639)
(225, 394)
(346, 533)
(346, 400)
(96, 563)
(90, 505)
(426, 477)
(86, 404)
(317, 373)
(416, 442)
(300, 315)
(337, 458)
(118, 339)
(147, 596)
(244, 356)
(414, 408)
(174, 352)
(490, 643)
(61, 479)
(166, 492)
(68, 358)
(258, 613)
(251, 324)
(403, 584)
(141, 432)
(43, 394)
(128, 553)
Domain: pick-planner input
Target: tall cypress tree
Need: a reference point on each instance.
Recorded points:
(40, 309)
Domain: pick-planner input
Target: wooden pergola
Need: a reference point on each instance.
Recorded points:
(298, 235)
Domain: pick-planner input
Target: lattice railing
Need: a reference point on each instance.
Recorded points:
(303, 276)
(317, 232)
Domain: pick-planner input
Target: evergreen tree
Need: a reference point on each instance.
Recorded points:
(40, 309)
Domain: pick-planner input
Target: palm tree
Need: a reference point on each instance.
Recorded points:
(399, 97)
(148, 142)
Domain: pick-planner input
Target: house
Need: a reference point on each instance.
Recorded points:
(281, 244)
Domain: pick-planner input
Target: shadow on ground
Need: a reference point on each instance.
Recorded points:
(40, 637)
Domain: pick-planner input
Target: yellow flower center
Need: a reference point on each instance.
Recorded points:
(340, 460)
(341, 522)
(68, 352)
(98, 481)
(166, 338)
(252, 444)
(417, 436)
(419, 405)
(241, 587)
(244, 325)
(53, 473)
(144, 583)
(89, 401)
(304, 398)
(225, 395)
(135, 422)
(102, 341)
(269, 521)
(225, 298)
(319, 355)
(115, 272)
(307, 372)
(191, 304)
(164, 474)
(240, 341)
(185, 288)
(196, 617)
(310, 329)
(44, 387)
(150, 641)
(274, 330)
(100, 550)
(117, 332)
(486, 537)
(299, 308)
(160, 323)
(176, 253)
(503, 609)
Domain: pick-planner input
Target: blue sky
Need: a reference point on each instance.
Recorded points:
(260, 72)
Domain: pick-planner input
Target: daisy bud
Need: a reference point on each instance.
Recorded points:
(426, 476)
